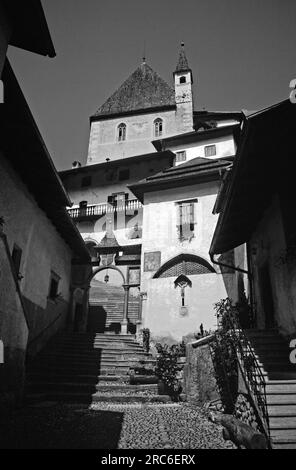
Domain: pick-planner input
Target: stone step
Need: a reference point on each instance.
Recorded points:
(283, 434)
(75, 387)
(282, 422)
(60, 376)
(95, 335)
(82, 369)
(281, 399)
(279, 375)
(257, 332)
(268, 340)
(281, 386)
(100, 354)
(283, 444)
(97, 397)
(281, 409)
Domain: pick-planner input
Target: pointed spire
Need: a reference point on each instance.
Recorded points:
(182, 65)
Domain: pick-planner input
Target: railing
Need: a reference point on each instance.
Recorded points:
(248, 363)
(106, 208)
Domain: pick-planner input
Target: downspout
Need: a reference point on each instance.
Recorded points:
(235, 268)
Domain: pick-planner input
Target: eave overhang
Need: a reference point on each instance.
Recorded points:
(263, 158)
(162, 181)
(29, 27)
(156, 109)
(192, 137)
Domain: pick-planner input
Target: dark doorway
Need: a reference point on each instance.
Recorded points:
(267, 296)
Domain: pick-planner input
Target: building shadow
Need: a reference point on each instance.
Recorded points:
(78, 428)
(97, 319)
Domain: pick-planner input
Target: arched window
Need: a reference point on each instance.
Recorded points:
(121, 132)
(158, 127)
(183, 79)
(185, 264)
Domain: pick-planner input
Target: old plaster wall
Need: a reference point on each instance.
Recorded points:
(268, 245)
(161, 309)
(139, 135)
(225, 147)
(13, 333)
(105, 181)
(43, 251)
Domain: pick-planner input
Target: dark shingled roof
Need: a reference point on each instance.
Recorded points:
(196, 170)
(143, 89)
(108, 241)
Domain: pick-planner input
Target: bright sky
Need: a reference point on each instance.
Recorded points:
(242, 53)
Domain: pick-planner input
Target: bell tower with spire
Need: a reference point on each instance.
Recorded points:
(183, 80)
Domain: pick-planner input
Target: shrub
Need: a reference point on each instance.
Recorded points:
(167, 367)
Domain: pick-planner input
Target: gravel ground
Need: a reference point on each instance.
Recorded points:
(110, 426)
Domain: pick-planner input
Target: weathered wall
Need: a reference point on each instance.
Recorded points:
(225, 147)
(102, 186)
(161, 309)
(139, 135)
(268, 245)
(13, 333)
(200, 385)
(43, 250)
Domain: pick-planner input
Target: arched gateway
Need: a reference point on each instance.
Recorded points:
(110, 306)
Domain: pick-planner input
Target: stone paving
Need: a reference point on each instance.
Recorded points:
(50, 425)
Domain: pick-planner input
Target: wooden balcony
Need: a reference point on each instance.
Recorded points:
(97, 210)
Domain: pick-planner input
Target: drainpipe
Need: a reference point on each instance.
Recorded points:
(235, 268)
(244, 271)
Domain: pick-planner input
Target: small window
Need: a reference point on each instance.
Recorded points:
(180, 157)
(16, 258)
(210, 150)
(86, 181)
(158, 127)
(186, 219)
(124, 174)
(121, 136)
(53, 286)
(182, 79)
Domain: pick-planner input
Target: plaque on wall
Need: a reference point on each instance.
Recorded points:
(134, 276)
(152, 261)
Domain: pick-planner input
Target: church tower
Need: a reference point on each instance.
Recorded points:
(183, 80)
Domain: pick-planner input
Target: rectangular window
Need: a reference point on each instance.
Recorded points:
(186, 219)
(86, 181)
(180, 157)
(53, 286)
(16, 258)
(210, 150)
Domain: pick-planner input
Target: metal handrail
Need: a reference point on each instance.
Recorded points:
(249, 363)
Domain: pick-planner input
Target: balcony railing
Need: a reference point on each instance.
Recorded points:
(106, 208)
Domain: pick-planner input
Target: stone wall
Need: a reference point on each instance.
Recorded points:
(201, 386)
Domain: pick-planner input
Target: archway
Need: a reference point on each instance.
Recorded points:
(186, 264)
(108, 301)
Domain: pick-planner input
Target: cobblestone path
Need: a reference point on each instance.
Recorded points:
(110, 426)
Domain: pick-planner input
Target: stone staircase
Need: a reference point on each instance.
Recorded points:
(272, 352)
(106, 308)
(88, 368)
